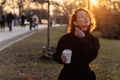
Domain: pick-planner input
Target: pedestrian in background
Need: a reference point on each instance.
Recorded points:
(51, 22)
(2, 21)
(10, 18)
(35, 20)
(30, 20)
(22, 19)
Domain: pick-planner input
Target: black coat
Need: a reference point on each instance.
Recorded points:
(84, 50)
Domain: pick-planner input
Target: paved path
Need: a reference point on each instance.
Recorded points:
(18, 33)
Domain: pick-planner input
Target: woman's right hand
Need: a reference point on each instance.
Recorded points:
(79, 33)
(64, 59)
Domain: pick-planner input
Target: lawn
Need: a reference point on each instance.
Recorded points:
(22, 61)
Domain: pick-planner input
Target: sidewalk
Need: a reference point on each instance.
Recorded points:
(18, 33)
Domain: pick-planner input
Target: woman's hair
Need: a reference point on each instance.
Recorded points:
(71, 26)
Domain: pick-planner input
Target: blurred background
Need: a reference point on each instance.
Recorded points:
(23, 61)
(106, 12)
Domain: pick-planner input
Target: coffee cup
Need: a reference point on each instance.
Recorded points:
(67, 53)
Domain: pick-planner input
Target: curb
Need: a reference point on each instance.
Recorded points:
(9, 42)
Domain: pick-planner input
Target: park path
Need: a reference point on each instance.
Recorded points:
(18, 33)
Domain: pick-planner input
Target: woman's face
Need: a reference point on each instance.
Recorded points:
(82, 20)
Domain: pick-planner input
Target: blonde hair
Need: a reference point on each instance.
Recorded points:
(71, 25)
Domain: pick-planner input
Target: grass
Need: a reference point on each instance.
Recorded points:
(22, 61)
(107, 65)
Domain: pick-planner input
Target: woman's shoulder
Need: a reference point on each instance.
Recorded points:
(95, 40)
(93, 36)
(65, 37)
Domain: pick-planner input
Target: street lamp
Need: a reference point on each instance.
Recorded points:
(48, 28)
(48, 17)
(48, 33)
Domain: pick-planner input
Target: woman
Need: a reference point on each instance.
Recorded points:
(84, 47)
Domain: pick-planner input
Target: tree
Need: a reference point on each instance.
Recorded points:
(107, 17)
(69, 7)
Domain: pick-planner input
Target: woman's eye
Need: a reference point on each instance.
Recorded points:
(83, 17)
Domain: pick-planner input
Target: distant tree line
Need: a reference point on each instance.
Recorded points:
(43, 14)
(106, 13)
(108, 23)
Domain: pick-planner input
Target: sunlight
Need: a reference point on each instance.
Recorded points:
(94, 2)
(58, 1)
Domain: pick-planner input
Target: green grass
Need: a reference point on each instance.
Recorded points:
(107, 65)
(23, 61)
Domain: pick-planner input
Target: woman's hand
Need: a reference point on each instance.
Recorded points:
(64, 59)
(79, 33)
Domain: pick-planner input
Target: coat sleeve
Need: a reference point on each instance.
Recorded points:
(96, 46)
(91, 47)
(59, 49)
(95, 42)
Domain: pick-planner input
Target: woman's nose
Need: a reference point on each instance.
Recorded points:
(87, 18)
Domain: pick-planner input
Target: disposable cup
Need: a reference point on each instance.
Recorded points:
(67, 53)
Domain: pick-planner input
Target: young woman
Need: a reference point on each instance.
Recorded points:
(83, 45)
